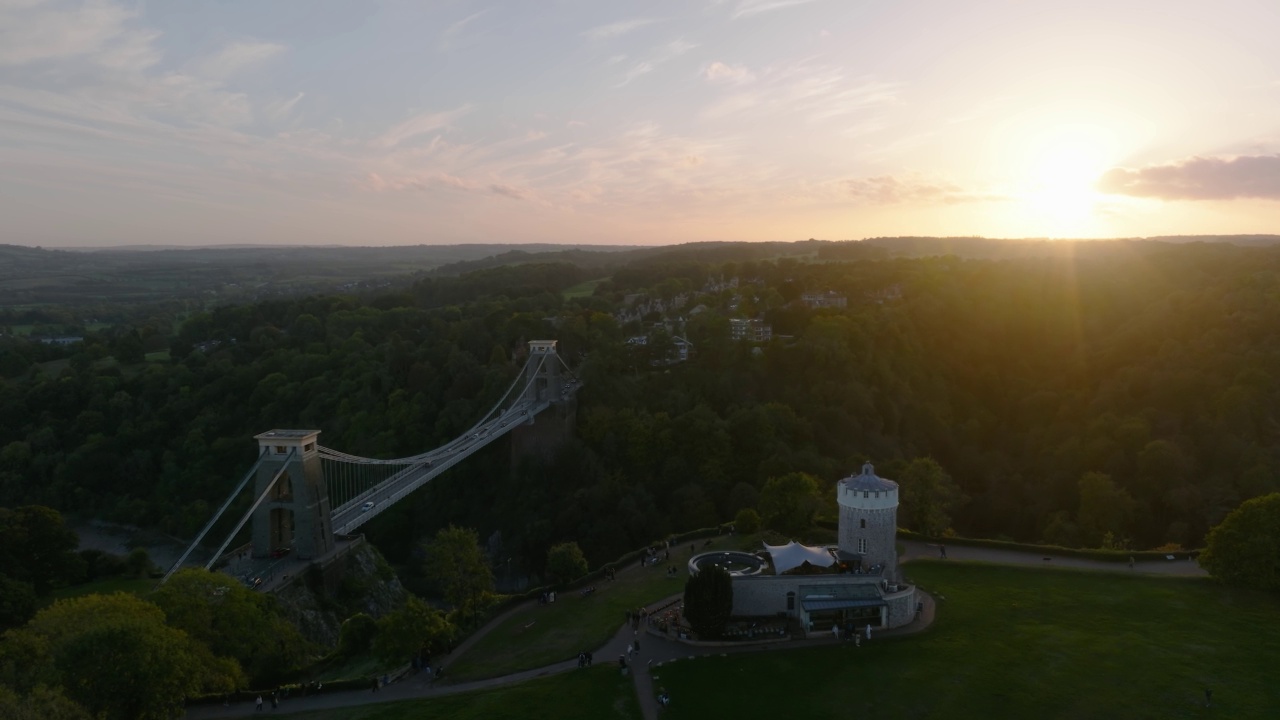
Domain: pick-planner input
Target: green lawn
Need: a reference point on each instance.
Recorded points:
(583, 289)
(1019, 643)
(597, 693)
(106, 586)
(546, 634)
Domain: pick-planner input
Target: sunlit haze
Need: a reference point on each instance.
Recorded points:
(399, 122)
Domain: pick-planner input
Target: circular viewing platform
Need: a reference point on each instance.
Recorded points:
(737, 563)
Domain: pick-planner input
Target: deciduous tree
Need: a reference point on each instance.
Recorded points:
(565, 562)
(458, 565)
(1244, 549)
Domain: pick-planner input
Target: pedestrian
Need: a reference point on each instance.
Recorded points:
(637, 644)
(258, 705)
(275, 701)
(943, 549)
(857, 640)
(835, 631)
(630, 649)
(868, 631)
(588, 659)
(375, 685)
(1130, 562)
(1208, 697)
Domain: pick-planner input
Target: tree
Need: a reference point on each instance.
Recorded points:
(746, 521)
(1105, 509)
(356, 635)
(708, 601)
(788, 503)
(232, 621)
(42, 704)
(36, 547)
(138, 562)
(1244, 549)
(18, 602)
(415, 626)
(928, 496)
(114, 655)
(566, 563)
(458, 565)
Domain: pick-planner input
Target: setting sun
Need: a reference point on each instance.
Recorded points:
(1058, 167)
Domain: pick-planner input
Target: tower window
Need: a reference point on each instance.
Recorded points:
(866, 494)
(862, 546)
(862, 523)
(280, 450)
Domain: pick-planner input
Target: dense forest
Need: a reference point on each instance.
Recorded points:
(1116, 394)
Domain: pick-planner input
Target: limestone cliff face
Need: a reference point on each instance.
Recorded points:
(361, 582)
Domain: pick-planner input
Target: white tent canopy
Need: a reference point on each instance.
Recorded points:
(793, 555)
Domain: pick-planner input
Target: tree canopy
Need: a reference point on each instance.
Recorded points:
(1244, 549)
(456, 563)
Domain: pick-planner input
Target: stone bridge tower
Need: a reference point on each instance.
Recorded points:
(295, 514)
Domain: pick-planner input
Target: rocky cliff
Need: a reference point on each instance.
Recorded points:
(320, 600)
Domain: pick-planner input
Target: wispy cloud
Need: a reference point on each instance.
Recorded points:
(617, 29)
(660, 55)
(747, 8)
(1198, 178)
(236, 57)
(279, 110)
(450, 35)
(892, 190)
(734, 74)
(419, 125)
(813, 93)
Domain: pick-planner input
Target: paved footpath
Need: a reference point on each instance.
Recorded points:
(658, 651)
(1181, 565)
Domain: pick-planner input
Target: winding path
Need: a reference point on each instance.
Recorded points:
(657, 651)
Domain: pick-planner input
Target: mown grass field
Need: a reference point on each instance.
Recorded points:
(546, 634)
(107, 586)
(598, 693)
(583, 289)
(1019, 643)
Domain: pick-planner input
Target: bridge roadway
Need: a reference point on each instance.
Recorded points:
(352, 514)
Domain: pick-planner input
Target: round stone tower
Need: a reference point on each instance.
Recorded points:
(869, 520)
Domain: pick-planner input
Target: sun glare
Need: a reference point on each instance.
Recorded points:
(1058, 168)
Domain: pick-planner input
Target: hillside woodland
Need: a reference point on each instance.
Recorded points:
(1119, 394)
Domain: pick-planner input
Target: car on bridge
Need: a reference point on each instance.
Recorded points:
(367, 506)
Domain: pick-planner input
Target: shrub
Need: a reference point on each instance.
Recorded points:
(708, 601)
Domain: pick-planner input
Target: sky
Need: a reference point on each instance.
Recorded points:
(654, 122)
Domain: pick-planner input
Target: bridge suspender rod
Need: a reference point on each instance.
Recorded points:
(249, 513)
(215, 517)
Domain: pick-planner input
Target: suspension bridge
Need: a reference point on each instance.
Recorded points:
(305, 493)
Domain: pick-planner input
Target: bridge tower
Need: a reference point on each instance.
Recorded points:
(545, 375)
(295, 514)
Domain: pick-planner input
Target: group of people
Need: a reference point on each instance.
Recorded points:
(584, 659)
(547, 597)
(635, 617)
(275, 701)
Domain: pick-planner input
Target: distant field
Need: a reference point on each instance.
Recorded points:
(598, 693)
(583, 289)
(106, 586)
(1018, 643)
